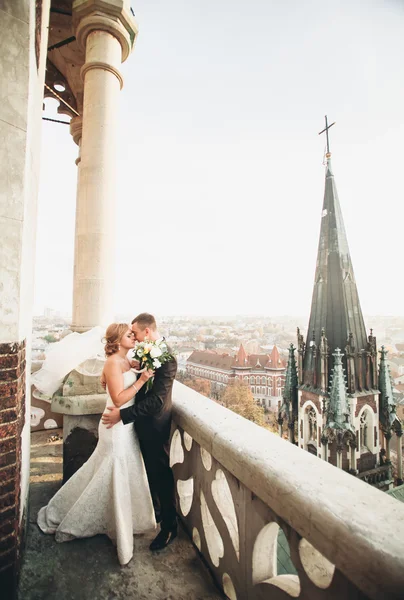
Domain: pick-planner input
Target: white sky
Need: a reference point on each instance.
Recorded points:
(220, 165)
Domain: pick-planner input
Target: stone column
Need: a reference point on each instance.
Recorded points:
(339, 458)
(106, 31)
(280, 423)
(324, 443)
(291, 432)
(387, 437)
(354, 466)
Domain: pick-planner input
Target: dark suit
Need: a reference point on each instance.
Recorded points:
(151, 414)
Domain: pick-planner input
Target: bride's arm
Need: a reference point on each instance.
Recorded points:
(114, 378)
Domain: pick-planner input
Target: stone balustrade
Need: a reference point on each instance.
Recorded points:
(242, 490)
(379, 477)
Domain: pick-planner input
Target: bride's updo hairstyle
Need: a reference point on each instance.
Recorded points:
(113, 336)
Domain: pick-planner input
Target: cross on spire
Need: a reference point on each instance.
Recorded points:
(327, 127)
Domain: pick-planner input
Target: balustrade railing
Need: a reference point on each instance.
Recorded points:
(378, 477)
(274, 522)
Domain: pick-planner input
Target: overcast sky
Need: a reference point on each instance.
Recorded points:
(220, 165)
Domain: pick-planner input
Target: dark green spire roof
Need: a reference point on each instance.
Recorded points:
(335, 304)
(387, 412)
(289, 407)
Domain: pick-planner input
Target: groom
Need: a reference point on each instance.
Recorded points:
(151, 414)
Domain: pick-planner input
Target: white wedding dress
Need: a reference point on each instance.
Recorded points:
(109, 494)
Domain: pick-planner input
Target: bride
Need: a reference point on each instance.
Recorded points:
(110, 493)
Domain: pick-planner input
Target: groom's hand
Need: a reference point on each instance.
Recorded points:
(112, 418)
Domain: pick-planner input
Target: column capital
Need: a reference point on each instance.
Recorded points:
(112, 16)
(76, 128)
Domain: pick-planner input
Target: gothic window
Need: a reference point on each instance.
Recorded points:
(263, 380)
(252, 379)
(253, 389)
(364, 431)
(312, 423)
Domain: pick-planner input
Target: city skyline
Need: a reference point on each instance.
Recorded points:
(220, 162)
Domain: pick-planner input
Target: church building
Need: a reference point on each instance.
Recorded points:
(336, 403)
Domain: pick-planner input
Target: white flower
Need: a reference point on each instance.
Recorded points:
(156, 363)
(140, 352)
(155, 352)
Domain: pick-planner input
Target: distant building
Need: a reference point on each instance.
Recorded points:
(263, 373)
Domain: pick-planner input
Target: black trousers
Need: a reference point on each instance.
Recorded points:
(161, 481)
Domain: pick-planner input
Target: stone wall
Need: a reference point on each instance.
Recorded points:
(240, 488)
(22, 81)
(12, 419)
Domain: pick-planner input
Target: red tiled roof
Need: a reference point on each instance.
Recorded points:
(212, 358)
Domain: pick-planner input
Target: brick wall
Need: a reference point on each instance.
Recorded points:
(12, 418)
(362, 400)
(310, 396)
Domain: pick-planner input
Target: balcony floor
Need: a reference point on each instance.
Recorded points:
(88, 568)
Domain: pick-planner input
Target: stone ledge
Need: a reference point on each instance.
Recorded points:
(93, 404)
(356, 527)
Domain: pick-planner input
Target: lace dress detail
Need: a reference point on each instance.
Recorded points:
(109, 494)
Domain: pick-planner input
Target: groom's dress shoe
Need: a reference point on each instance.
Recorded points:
(163, 539)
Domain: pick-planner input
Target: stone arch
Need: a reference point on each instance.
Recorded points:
(309, 408)
(365, 428)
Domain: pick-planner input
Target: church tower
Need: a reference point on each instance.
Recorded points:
(338, 407)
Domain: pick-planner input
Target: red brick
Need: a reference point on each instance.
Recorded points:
(12, 347)
(8, 526)
(8, 361)
(8, 416)
(7, 486)
(8, 389)
(362, 400)
(8, 444)
(8, 473)
(7, 500)
(9, 402)
(8, 513)
(7, 459)
(11, 374)
(8, 430)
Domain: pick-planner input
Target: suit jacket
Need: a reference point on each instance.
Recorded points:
(151, 411)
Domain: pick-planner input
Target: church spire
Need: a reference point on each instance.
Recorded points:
(335, 307)
(338, 413)
(289, 407)
(387, 412)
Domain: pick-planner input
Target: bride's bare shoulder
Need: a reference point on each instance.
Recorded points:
(112, 362)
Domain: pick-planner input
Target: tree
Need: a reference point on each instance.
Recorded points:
(49, 338)
(238, 398)
(202, 386)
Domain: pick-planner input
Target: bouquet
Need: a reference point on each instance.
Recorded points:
(151, 355)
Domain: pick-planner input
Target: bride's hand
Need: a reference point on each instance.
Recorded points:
(146, 375)
(135, 364)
